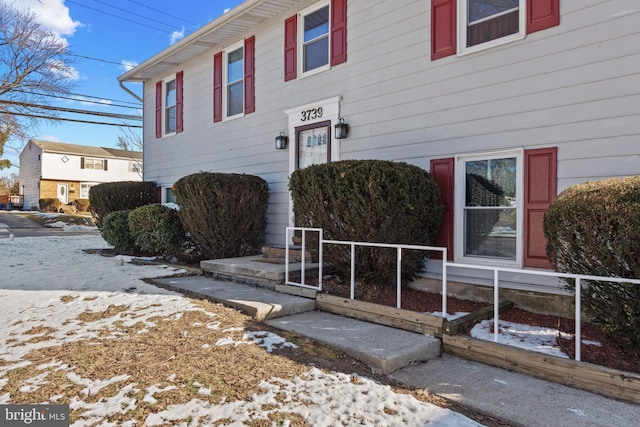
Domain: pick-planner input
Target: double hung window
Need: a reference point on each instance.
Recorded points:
(234, 81)
(485, 23)
(170, 106)
(315, 39)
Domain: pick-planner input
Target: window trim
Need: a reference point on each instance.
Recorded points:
(225, 83)
(300, 39)
(459, 205)
(461, 24)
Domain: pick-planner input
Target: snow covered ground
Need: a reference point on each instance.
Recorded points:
(48, 283)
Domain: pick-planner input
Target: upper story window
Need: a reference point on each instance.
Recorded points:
(234, 81)
(169, 102)
(315, 39)
(485, 23)
(465, 26)
(90, 163)
(135, 167)
(170, 106)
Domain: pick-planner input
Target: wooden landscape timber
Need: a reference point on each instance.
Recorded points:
(586, 376)
(454, 327)
(382, 314)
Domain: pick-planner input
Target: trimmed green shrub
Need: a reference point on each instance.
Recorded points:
(594, 228)
(117, 196)
(157, 229)
(369, 201)
(115, 231)
(225, 213)
(82, 205)
(50, 205)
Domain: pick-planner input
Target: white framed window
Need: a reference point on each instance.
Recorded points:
(84, 189)
(233, 77)
(313, 39)
(135, 167)
(489, 208)
(486, 23)
(169, 105)
(91, 163)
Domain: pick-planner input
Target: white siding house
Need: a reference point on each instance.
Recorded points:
(530, 96)
(68, 171)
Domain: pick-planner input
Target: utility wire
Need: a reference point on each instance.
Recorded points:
(163, 12)
(64, 119)
(95, 59)
(119, 17)
(133, 13)
(73, 110)
(83, 99)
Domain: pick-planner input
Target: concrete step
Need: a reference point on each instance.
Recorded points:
(383, 348)
(280, 252)
(259, 303)
(256, 270)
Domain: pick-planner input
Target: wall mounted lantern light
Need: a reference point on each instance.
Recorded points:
(341, 129)
(281, 141)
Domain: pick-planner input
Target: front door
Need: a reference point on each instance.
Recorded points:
(63, 193)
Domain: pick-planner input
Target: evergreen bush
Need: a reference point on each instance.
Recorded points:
(594, 229)
(115, 231)
(117, 196)
(224, 213)
(157, 229)
(50, 205)
(369, 201)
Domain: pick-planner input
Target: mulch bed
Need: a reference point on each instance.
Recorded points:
(611, 353)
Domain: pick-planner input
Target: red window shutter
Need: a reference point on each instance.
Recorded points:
(217, 87)
(540, 176)
(179, 103)
(442, 171)
(81, 162)
(158, 194)
(542, 14)
(291, 48)
(338, 32)
(249, 75)
(443, 28)
(158, 109)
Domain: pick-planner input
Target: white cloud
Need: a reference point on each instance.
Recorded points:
(53, 14)
(177, 35)
(127, 65)
(226, 10)
(66, 71)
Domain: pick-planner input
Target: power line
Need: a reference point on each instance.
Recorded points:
(83, 99)
(163, 12)
(95, 59)
(73, 110)
(133, 13)
(64, 119)
(119, 17)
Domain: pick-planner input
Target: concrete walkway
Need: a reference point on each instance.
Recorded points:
(519, 399)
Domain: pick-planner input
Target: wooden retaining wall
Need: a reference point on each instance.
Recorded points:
(594, 378)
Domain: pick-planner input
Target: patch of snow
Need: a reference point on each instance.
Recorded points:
(450, 317)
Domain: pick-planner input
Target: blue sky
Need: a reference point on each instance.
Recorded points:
(116, 34)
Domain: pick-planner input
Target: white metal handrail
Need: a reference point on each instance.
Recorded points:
(579, 278)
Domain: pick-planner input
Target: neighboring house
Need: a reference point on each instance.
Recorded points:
(505, 102)
(51, 170)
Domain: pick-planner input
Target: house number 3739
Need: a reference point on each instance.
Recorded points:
(311, 114)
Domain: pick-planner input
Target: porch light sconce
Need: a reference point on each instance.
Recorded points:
(281, 141)
(341, 129)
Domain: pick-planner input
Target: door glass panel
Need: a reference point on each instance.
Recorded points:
(313, 146)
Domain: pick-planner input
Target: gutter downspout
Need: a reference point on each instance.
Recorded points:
(130, 92)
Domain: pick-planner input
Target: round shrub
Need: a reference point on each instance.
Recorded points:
(115, 231)
(117, 196)
(224, 213)
(157, 229)
(594, 228)
(369, 201)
